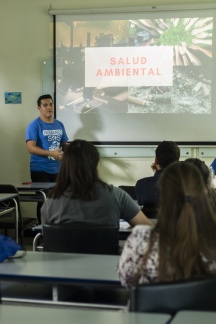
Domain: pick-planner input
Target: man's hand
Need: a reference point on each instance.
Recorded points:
(154, 167)
(33, 149)
(56, 154)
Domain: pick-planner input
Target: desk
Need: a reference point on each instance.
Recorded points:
(60, 270)
(194, 317)
(45, 315)
(124, 230)
(62, 267)
(7, 209)
(33, 192)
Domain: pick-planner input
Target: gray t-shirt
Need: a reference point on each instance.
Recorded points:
(108, 208)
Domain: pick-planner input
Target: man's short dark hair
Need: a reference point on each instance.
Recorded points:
(166, 153)
(46, 96)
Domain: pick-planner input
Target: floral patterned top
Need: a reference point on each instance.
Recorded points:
(132, 255)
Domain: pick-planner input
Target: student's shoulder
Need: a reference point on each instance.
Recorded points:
(144, 181)
(142, 228)
(142, 231)
(120, 194)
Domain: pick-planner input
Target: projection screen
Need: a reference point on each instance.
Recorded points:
(137, 77)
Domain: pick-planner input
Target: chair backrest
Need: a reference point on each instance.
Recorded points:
(174, 296)
(85, 238)
(130, 190)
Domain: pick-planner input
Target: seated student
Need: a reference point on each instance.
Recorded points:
(207, 175)
(147, 189)
(81, 196)
(213, 166)
(182, 243)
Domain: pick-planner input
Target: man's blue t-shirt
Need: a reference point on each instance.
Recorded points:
(48, 136)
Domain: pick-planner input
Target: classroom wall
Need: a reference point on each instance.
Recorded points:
(26, 39)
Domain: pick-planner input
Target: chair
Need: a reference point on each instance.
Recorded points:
(85, 238)
(9, 221)
(174, 296)
(130, 190)
(150, 212)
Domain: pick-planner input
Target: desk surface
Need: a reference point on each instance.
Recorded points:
(7, 196)
(192, 317)
(33, 185)
(62, 267)
(45, 315)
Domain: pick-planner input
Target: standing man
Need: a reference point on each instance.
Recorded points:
(45, 138)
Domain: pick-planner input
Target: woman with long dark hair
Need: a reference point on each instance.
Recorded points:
(81, 196)
(182, 244)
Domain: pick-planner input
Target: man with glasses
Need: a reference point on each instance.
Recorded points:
(45, 138)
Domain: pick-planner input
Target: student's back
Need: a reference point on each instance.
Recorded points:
(81, 196)
(111, 202)
(182, 244)
(147, 190)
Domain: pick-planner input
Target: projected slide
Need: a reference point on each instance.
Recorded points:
(140, 66)
(155, 68)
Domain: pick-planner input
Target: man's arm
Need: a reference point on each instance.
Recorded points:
(141, 219)
(33, 149)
